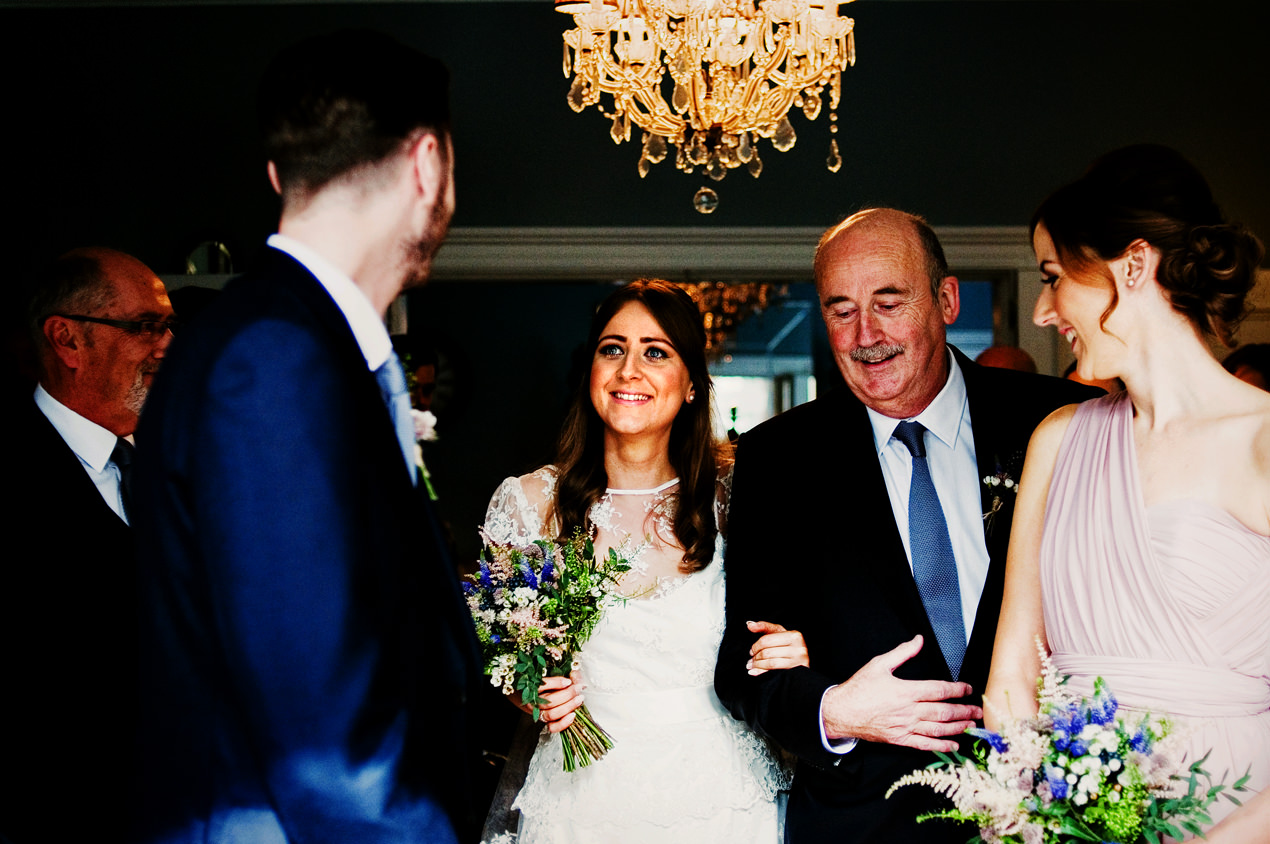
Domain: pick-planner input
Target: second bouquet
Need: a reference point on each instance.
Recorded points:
(534, 607)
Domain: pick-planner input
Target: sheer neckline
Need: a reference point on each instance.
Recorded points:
(667, 485)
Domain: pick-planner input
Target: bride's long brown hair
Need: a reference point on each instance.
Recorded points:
(695, 453)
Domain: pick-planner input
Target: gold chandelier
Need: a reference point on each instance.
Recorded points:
(736, 68)
(723, 306)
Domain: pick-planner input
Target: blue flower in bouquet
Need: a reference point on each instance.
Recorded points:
(1141, 741)
(994, 740)
(1056, 779)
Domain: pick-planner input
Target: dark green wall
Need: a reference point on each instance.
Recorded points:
(134, 126)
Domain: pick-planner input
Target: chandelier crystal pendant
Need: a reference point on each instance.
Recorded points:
(735, 68)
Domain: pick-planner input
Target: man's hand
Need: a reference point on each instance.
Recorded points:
(875, 706)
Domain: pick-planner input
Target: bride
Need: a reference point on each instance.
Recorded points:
(1141, 543)
(638, 465)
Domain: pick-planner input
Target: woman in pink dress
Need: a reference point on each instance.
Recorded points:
(1141, 543)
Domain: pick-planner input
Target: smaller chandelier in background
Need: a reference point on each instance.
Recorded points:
(735, 67)
(723, 306)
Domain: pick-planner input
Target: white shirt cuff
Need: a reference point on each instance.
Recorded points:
(841, 746)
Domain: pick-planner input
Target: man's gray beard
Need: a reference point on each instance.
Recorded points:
(135, 398)
(875, 353)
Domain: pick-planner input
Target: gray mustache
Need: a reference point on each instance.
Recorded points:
(876, 352)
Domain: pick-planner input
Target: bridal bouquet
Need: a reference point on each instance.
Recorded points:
(534, 607)
(1074, 772)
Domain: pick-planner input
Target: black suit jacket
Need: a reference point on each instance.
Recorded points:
(66, 644)
(308, 656)
(813, 545)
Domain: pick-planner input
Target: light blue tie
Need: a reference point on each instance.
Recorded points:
(934, 567)
(392, 384)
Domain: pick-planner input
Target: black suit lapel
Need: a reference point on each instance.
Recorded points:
(995, 451)
(78, 494)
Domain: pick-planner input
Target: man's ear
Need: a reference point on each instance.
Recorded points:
(949, 299)
(428, 162)
(272, 170)
(65, 340)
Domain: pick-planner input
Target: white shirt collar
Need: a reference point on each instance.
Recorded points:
(942, 417)
(92, 443)
(367, 325)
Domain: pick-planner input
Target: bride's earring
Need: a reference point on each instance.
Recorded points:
(1132, 270)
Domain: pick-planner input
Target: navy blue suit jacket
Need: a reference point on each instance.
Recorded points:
(813, 545)
(307, 657)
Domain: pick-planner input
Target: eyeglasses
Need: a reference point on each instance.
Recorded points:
(152, 328)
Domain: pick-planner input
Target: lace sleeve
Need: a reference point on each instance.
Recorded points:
(519, 506)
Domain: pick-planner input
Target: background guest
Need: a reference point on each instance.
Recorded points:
(101, 323)
(1007, 357)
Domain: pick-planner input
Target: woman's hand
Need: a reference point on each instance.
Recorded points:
(775, 648)
(562, 696)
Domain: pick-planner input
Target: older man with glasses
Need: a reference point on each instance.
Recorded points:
(101, 322)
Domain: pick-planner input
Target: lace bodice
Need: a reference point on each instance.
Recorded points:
(636, 522)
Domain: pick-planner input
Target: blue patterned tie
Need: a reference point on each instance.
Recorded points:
(934, 567)
(392, 383)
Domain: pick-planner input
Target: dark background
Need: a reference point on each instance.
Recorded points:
(132, 126)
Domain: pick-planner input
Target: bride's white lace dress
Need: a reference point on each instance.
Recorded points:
(682, 769)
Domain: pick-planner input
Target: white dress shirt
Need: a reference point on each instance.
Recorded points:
(91, 443)
(954, 469)
(366, 323)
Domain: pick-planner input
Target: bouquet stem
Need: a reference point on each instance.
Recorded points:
(583, 741)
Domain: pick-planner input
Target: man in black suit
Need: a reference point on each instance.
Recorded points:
(308, 659)
(863, 520)
(101, 323)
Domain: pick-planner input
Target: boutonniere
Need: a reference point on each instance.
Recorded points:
(425, 431)
(1002, 487)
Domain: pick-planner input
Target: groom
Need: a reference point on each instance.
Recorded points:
(870, 537)
(308, 657)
